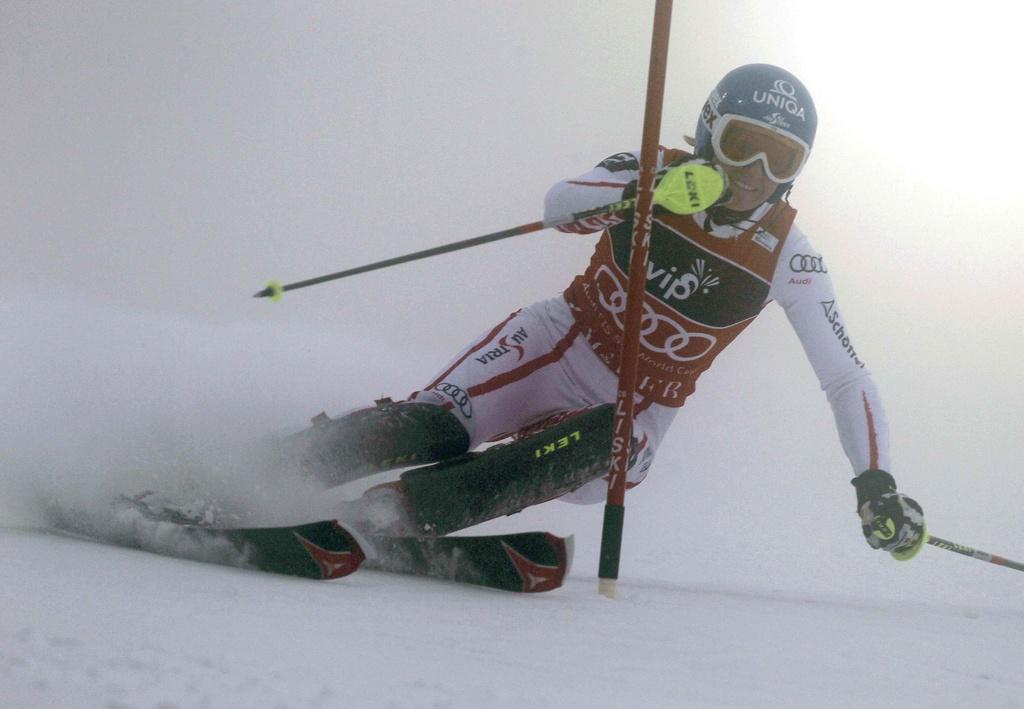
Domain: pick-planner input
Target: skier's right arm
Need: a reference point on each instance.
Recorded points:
(602, 185)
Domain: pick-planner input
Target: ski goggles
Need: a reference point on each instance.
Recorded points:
(739, 141)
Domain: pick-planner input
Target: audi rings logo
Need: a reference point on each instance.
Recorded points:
(804, 263)
(657, 332)
(458, 396)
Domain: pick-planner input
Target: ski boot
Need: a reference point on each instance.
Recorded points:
(386, 436)
(460, 492)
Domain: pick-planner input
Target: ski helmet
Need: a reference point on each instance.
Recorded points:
(766, 95)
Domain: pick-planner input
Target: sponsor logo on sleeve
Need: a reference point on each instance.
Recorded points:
(832, 315)
(620, 162)
(458, 396)
(807, 263)
(512, 342)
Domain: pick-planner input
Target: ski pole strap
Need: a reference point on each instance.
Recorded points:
(975, 553)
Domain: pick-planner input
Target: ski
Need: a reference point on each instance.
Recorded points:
(529, 562)
(315, 550)
(318, 550)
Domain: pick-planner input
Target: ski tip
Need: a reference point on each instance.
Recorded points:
(332, 548)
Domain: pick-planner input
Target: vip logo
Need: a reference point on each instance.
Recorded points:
(674, 287)
(782, 95)
(508, 343)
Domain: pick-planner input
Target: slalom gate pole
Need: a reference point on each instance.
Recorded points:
(974, 553)
(622, 432)
(275, 289)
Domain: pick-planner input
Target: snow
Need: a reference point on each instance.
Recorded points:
(87, 625)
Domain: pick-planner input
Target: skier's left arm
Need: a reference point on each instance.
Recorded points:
(803, 287)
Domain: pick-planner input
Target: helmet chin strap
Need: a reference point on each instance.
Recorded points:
(782, 193)
(722, 215)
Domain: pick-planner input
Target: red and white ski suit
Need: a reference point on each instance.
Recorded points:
(705, 283)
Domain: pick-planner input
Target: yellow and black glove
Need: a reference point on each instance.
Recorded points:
(890, 520)
(690, 187)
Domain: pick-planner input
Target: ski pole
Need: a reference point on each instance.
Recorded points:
(684, 189)
(275, 289)
(980, 555)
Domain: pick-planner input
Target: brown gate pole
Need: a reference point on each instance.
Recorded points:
(614, 511)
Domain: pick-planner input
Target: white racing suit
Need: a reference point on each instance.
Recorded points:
(705, 283)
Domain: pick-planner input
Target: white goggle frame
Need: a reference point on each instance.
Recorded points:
(724, 121)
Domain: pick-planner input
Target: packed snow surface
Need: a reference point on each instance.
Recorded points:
(89, 625)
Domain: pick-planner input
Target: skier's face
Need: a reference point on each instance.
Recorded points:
(749, 185)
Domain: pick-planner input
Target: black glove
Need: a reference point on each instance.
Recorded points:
(890, 520)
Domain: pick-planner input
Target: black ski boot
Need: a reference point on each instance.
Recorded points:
(389, 435)
(460, 492)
